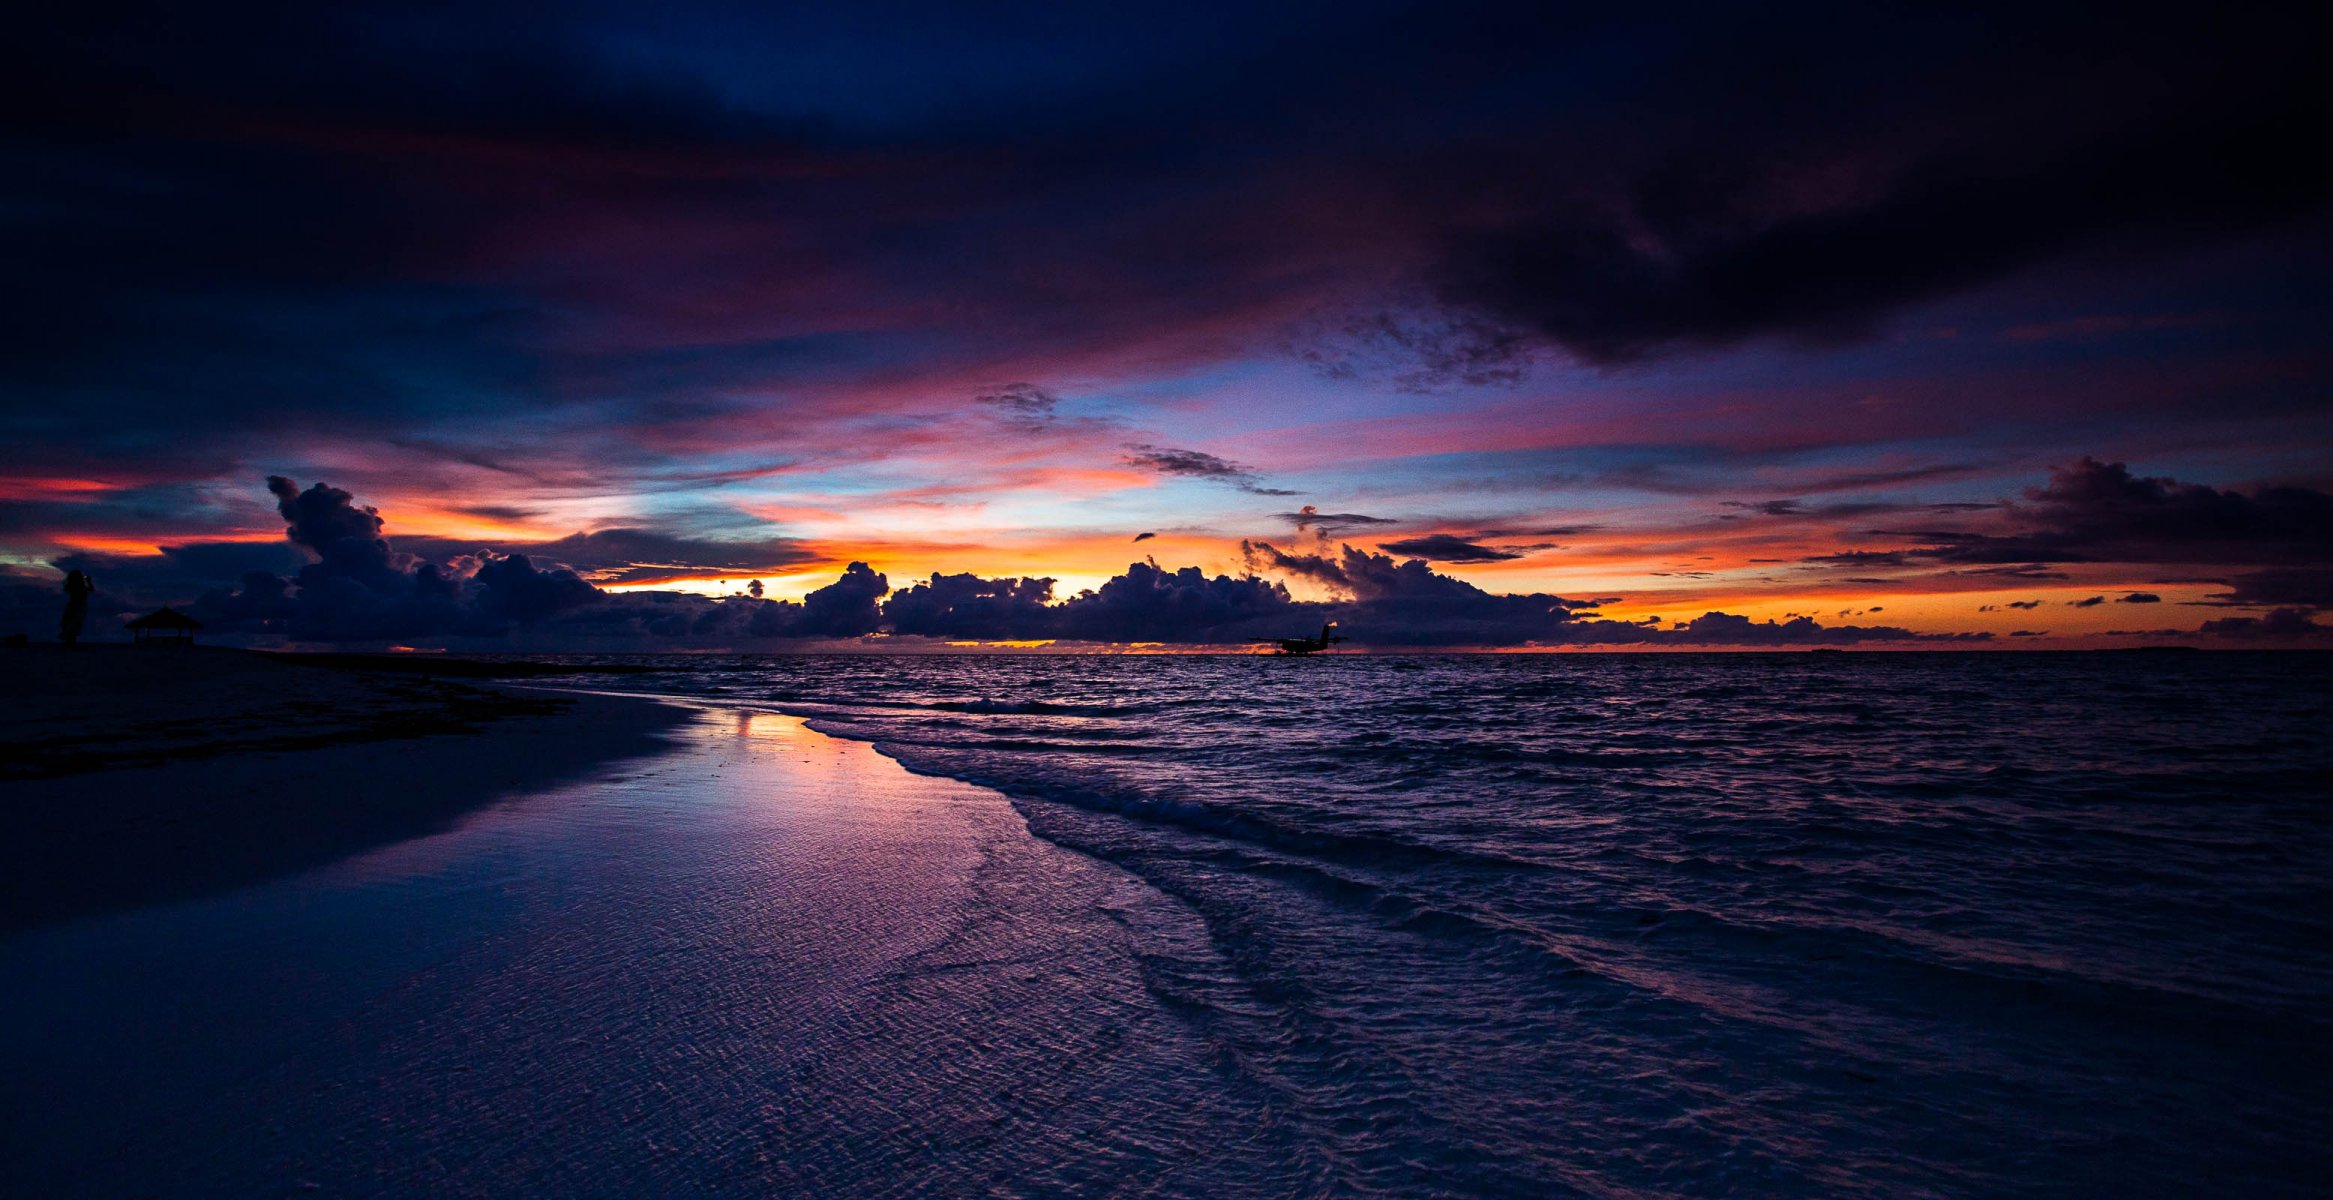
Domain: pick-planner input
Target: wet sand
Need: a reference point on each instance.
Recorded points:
(135, 775)
(766, 962)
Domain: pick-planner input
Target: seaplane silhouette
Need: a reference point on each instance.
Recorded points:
(1306, 645)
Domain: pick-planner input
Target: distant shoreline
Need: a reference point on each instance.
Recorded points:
(486, 663)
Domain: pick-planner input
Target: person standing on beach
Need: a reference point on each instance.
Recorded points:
(77, 589)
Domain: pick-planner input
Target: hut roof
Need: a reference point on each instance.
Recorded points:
(166, 617)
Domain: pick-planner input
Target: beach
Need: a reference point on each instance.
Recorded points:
(135, 775)
(758, 961)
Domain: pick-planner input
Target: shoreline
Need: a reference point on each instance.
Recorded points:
(865, 982)
(117, 798)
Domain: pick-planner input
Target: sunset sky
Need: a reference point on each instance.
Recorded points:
(1951, 321)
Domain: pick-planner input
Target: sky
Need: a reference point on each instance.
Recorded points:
(1463, 325)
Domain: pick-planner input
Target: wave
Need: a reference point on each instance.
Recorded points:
(1944, 900)
(1029, 781)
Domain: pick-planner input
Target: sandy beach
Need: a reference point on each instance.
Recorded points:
(759, 961)
(135, 775)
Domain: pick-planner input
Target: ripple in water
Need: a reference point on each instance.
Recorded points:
(1647, 925)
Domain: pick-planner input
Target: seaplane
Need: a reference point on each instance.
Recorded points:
(1300, 646)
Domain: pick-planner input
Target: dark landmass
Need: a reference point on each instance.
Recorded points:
(448, 666)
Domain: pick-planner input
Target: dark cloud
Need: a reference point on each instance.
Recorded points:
(247, 221)
(360, 588)
(1309, 517)
(2013, 571)
(1841, 509)
(1727, 629)
(2295, 587)
(1151, 604)
(1198, 464)
(1417, 355)
(147, 582)
(2099, 512)
(847, 608)
(2140, 598)
(2096, 511)
(636, 555)
(2283, 624)
(331, 525)
(228, 560)
(1144, 536)
(2025, 604)
(1771, 508)
(33, 604)
(1444, 547)
(1408, 603)
(2091, 602)
(1746, 225)
(1022, 404)
(969, 607)
(1864, 558)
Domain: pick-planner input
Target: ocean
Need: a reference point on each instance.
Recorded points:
(1840, 925)
(1803, 925)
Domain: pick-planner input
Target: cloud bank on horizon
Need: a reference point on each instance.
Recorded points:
(354, 586)
(1779, 312)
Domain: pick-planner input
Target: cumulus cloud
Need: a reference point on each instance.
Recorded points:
(970, 607)
(359, 588)
(847, 608)
(356, 586)
(1149, 603)
(1408, 603)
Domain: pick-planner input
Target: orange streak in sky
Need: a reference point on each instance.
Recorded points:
(105, 543)
(30, 487)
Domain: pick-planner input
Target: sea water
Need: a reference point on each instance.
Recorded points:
(1887, 924)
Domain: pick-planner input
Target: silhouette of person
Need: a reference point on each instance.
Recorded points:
(77, 589)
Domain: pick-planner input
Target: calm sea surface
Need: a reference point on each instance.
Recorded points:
(1794, 925)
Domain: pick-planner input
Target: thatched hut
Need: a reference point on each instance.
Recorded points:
(165, 626)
